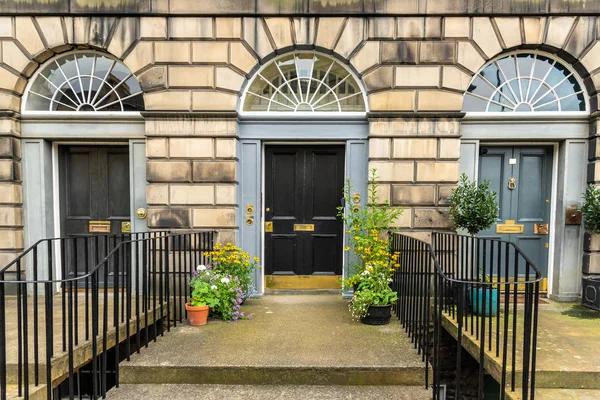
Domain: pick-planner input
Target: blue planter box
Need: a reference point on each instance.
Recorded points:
(491, 297)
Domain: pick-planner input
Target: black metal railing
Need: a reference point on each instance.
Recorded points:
(113, 292)
(484, 293)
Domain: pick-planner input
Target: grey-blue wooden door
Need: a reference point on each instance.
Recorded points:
(529, 202)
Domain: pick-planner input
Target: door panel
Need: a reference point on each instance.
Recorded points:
(304, 186)
(94, 186)
(529, 202)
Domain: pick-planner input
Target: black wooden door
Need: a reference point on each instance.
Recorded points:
(94, 186)
(303, 190)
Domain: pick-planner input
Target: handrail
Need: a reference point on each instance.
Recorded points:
(444, 285)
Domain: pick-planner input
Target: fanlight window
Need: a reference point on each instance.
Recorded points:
(524, 83)
(85, 82)
(303, 82)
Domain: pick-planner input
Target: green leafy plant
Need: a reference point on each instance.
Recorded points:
(231, 260)
(590, 209)
(204, 292)
(368, 227)
(473, 207)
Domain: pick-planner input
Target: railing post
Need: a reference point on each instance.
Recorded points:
(2, 338)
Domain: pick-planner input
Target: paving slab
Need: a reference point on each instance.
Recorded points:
(267, 392)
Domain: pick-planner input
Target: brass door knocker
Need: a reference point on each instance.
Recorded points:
(512, 183)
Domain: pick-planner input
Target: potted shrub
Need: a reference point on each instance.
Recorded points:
(590, 211)
(368, 228)
(475, 208)
(230, 260)
(205, 294)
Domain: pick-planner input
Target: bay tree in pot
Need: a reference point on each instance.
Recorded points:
(474, 208)
(590, 211)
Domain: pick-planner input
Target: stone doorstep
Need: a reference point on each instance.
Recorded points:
(559, 394)
(82, 354)
(35, 392)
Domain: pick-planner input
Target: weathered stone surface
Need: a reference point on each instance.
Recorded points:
(381, 78)
(241, 58)
(28, 36)
(534, 29)
(413, 195)
(510, 31)
(383, 194)
(94, 31)
(190, 148)
(457, 27)
(13, 56)
(449, 149)
(379, 148)
(225, 195)
(140, 57)
(11, 193)
(228, 28)
(172, 52)
(352, 36)
(153, 79)
(156, 148)
(584, 33)
(168, 218)
(392, 101)
(6, 27)
(437, 52)
(485, 37)
(191, 77)
(399, 171)
(304, 28)
(9, 102)
(51, 28)
(439, 101)
(168, 171)
(11, 217)
(12, 81)
(228, 79)
(328, 32)
(215, 101)
(455, 78)
(367, 57)
(10, 171)
(469, 57)
(281, 31)
(164, 101)
(444, 192)
(11, 239)
(433, 27)
(9, 147)
(190, 28)
(214, 217)
(558, 30)
(414, 148)
(126, 34)
(185, 126)
(405, 219)
(157, 194)
(153, 27)
(381, 28)
(255, 36)
(110, 7)
(393, 127)
(219, 171)
(408, 76)
(432, 218)
(192, 194)
(225, 148)
(591, 61)
(411, 27)
(431, 171)
(399, 52)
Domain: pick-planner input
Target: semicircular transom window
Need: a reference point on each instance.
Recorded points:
(304, 83)
(85, 81)
(524, 82)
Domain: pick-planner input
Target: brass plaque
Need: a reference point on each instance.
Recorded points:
(304, 227)
(99, 226)
(126, 227)
(540, 229)
(268, 227)
(510, 227)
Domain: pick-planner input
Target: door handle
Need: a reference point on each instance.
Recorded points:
(512, 183)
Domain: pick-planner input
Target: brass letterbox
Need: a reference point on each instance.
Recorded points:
(573, 216)
(540, 229)
(99, 226)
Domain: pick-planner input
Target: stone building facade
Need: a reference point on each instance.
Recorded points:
(195, 60)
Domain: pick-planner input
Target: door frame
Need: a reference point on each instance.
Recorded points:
(352, 134)
(473, 173)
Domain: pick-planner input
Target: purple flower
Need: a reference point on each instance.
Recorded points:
(249, 316)
(195, 272)
(235, 318)
(236, 308)
(215, 263)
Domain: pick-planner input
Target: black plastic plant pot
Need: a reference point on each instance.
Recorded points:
(377, 315)
(591, 293)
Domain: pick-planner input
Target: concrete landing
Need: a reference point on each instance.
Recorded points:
(267, 392)
(290, 340)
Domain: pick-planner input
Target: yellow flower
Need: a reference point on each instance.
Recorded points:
(256, 259)
(347, 248)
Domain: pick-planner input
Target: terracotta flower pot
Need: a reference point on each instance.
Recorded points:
(197, 314)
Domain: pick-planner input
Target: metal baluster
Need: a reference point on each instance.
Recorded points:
(36, 358)
(49, 330)
(69, 285)
(2, 338)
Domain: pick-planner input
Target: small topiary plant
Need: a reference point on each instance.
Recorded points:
(473, 207)
(590, 209)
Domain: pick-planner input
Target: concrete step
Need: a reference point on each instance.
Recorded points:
(561, 394)
(267, 392)
(35, 392)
